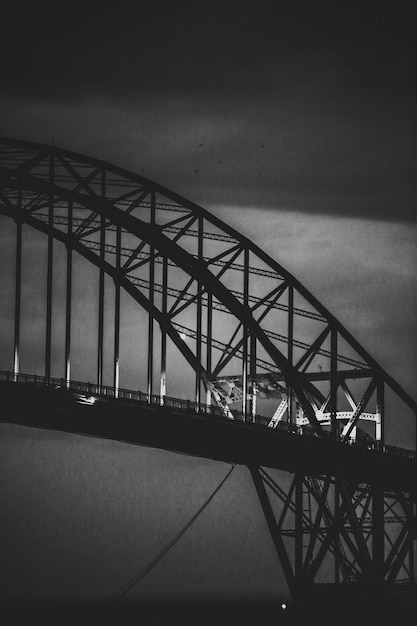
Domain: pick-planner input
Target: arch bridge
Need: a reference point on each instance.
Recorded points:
(160, 324)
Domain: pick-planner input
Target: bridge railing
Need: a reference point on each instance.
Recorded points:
(90, 393)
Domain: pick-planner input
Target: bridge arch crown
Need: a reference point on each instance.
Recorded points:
(252, 335)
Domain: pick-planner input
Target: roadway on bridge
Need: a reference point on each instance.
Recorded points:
(180, 427)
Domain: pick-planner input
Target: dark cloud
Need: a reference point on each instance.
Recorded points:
(326, 90)
(187, 47)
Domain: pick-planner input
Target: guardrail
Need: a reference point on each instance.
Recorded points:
(95, 392)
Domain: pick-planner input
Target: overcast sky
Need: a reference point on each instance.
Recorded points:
(306, 105)
(295, 123)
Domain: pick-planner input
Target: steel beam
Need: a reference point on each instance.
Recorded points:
(151, 302)
(378, 534)
(100, 338)
(273, 529)
(163, 375)
(18, 290)
(208, 343)
(68, 302)
(50, 253)
(333, 382)
(380, 400)
(290, 350)
(199, 316)
(116, 378)
(336, 541)
(299, 534)
(245, 335)
(252, 374)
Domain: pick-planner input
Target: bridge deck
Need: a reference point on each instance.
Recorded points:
(182, 428)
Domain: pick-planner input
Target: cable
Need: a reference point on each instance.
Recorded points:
(145, 570)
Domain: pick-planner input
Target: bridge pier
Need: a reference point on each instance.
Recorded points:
(367, 530)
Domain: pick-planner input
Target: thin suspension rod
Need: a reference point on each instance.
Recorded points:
(333, 380)
(209, 341)
(163, 381)
(245, 335)
(48, 338)
(100, 337)
(68, 303)
(18, 281)
(117, 319)
(290, 346)
(252, 374)
(151, 300)
(380, 399)
(199, 317)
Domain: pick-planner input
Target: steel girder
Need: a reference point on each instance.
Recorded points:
(332, 530)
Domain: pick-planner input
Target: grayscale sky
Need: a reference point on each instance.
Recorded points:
(295, 123)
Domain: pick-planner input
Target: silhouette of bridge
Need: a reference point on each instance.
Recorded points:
(265, 375)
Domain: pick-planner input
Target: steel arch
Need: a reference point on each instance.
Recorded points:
(22, 170)
(111, 201)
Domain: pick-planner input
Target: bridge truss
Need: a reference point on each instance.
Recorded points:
(245, 334)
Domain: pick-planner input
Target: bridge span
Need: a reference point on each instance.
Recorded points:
(202, 430)
(117, 280)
